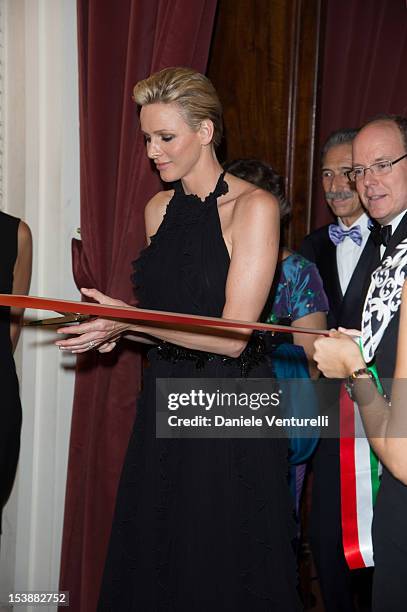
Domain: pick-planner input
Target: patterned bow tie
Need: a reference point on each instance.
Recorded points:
(338, 235)
(381, 234)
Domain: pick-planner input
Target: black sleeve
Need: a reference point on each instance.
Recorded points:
(307, 249)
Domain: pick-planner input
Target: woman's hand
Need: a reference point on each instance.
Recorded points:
(338, 355)
(101, 334)
(354, 333)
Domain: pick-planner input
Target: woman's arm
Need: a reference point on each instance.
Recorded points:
(255, 236)
(21, 278)
(385, 424)
(314, 320)
(308, 307)
(392, 443)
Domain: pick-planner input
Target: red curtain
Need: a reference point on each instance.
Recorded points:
(119, 43)
(364, 69)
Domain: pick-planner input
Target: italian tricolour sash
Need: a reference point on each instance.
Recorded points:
(359, 473)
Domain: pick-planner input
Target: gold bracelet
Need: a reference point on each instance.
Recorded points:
(351, 379)
(360, 372)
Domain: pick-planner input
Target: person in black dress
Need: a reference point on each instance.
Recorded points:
(15, 274)
(200, 524)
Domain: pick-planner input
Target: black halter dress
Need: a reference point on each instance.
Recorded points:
(200, 524)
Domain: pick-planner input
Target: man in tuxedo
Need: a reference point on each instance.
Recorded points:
(339, 250)
(381, 186)
(345, 254)
(380, 174)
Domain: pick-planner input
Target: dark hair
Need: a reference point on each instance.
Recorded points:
(336, 138)
(262, 175)
(399, 120)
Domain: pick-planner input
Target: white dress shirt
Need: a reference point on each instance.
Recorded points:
(348, 252)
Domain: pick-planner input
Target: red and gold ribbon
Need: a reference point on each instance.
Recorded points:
(131, 313)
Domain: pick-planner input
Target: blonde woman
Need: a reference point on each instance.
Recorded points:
(199, 524)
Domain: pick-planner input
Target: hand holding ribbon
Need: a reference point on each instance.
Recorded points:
(100, 334)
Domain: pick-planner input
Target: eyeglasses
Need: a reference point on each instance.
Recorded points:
(378, 169)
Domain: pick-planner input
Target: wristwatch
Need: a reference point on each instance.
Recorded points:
(351, 380)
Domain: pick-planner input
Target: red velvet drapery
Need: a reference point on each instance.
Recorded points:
(364, 68)
(119, 43)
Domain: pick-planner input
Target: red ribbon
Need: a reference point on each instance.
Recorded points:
(135, 314)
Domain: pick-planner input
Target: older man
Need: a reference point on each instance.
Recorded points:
(345, 254)
(380, 173)
(339, 250)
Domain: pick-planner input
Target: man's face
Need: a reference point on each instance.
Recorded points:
(384, 196)
(340, 194)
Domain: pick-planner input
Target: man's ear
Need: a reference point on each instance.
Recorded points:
(206, 131)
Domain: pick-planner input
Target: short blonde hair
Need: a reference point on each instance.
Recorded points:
(191, 90)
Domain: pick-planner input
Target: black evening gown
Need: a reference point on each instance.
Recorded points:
(380, 336)
(200, 524)
(389, 528)
(10, 407)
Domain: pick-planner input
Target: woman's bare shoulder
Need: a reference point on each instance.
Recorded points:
(251, 201)
(155, 211)
(244, 192)
(157, 206)
(24, 239)
(24, 232)
(160, 200)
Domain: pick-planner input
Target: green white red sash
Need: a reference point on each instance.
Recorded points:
(359, 472)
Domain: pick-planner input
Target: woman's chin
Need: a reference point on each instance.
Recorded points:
(168, 176)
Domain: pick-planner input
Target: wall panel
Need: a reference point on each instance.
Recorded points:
(264, 63)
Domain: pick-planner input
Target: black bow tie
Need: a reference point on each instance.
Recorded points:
(381, 234)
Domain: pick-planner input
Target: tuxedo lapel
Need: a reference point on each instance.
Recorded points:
(352, 304)
(398, 236)
(328, 270)
(329, 273)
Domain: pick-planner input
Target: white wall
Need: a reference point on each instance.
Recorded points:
(41, 185)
